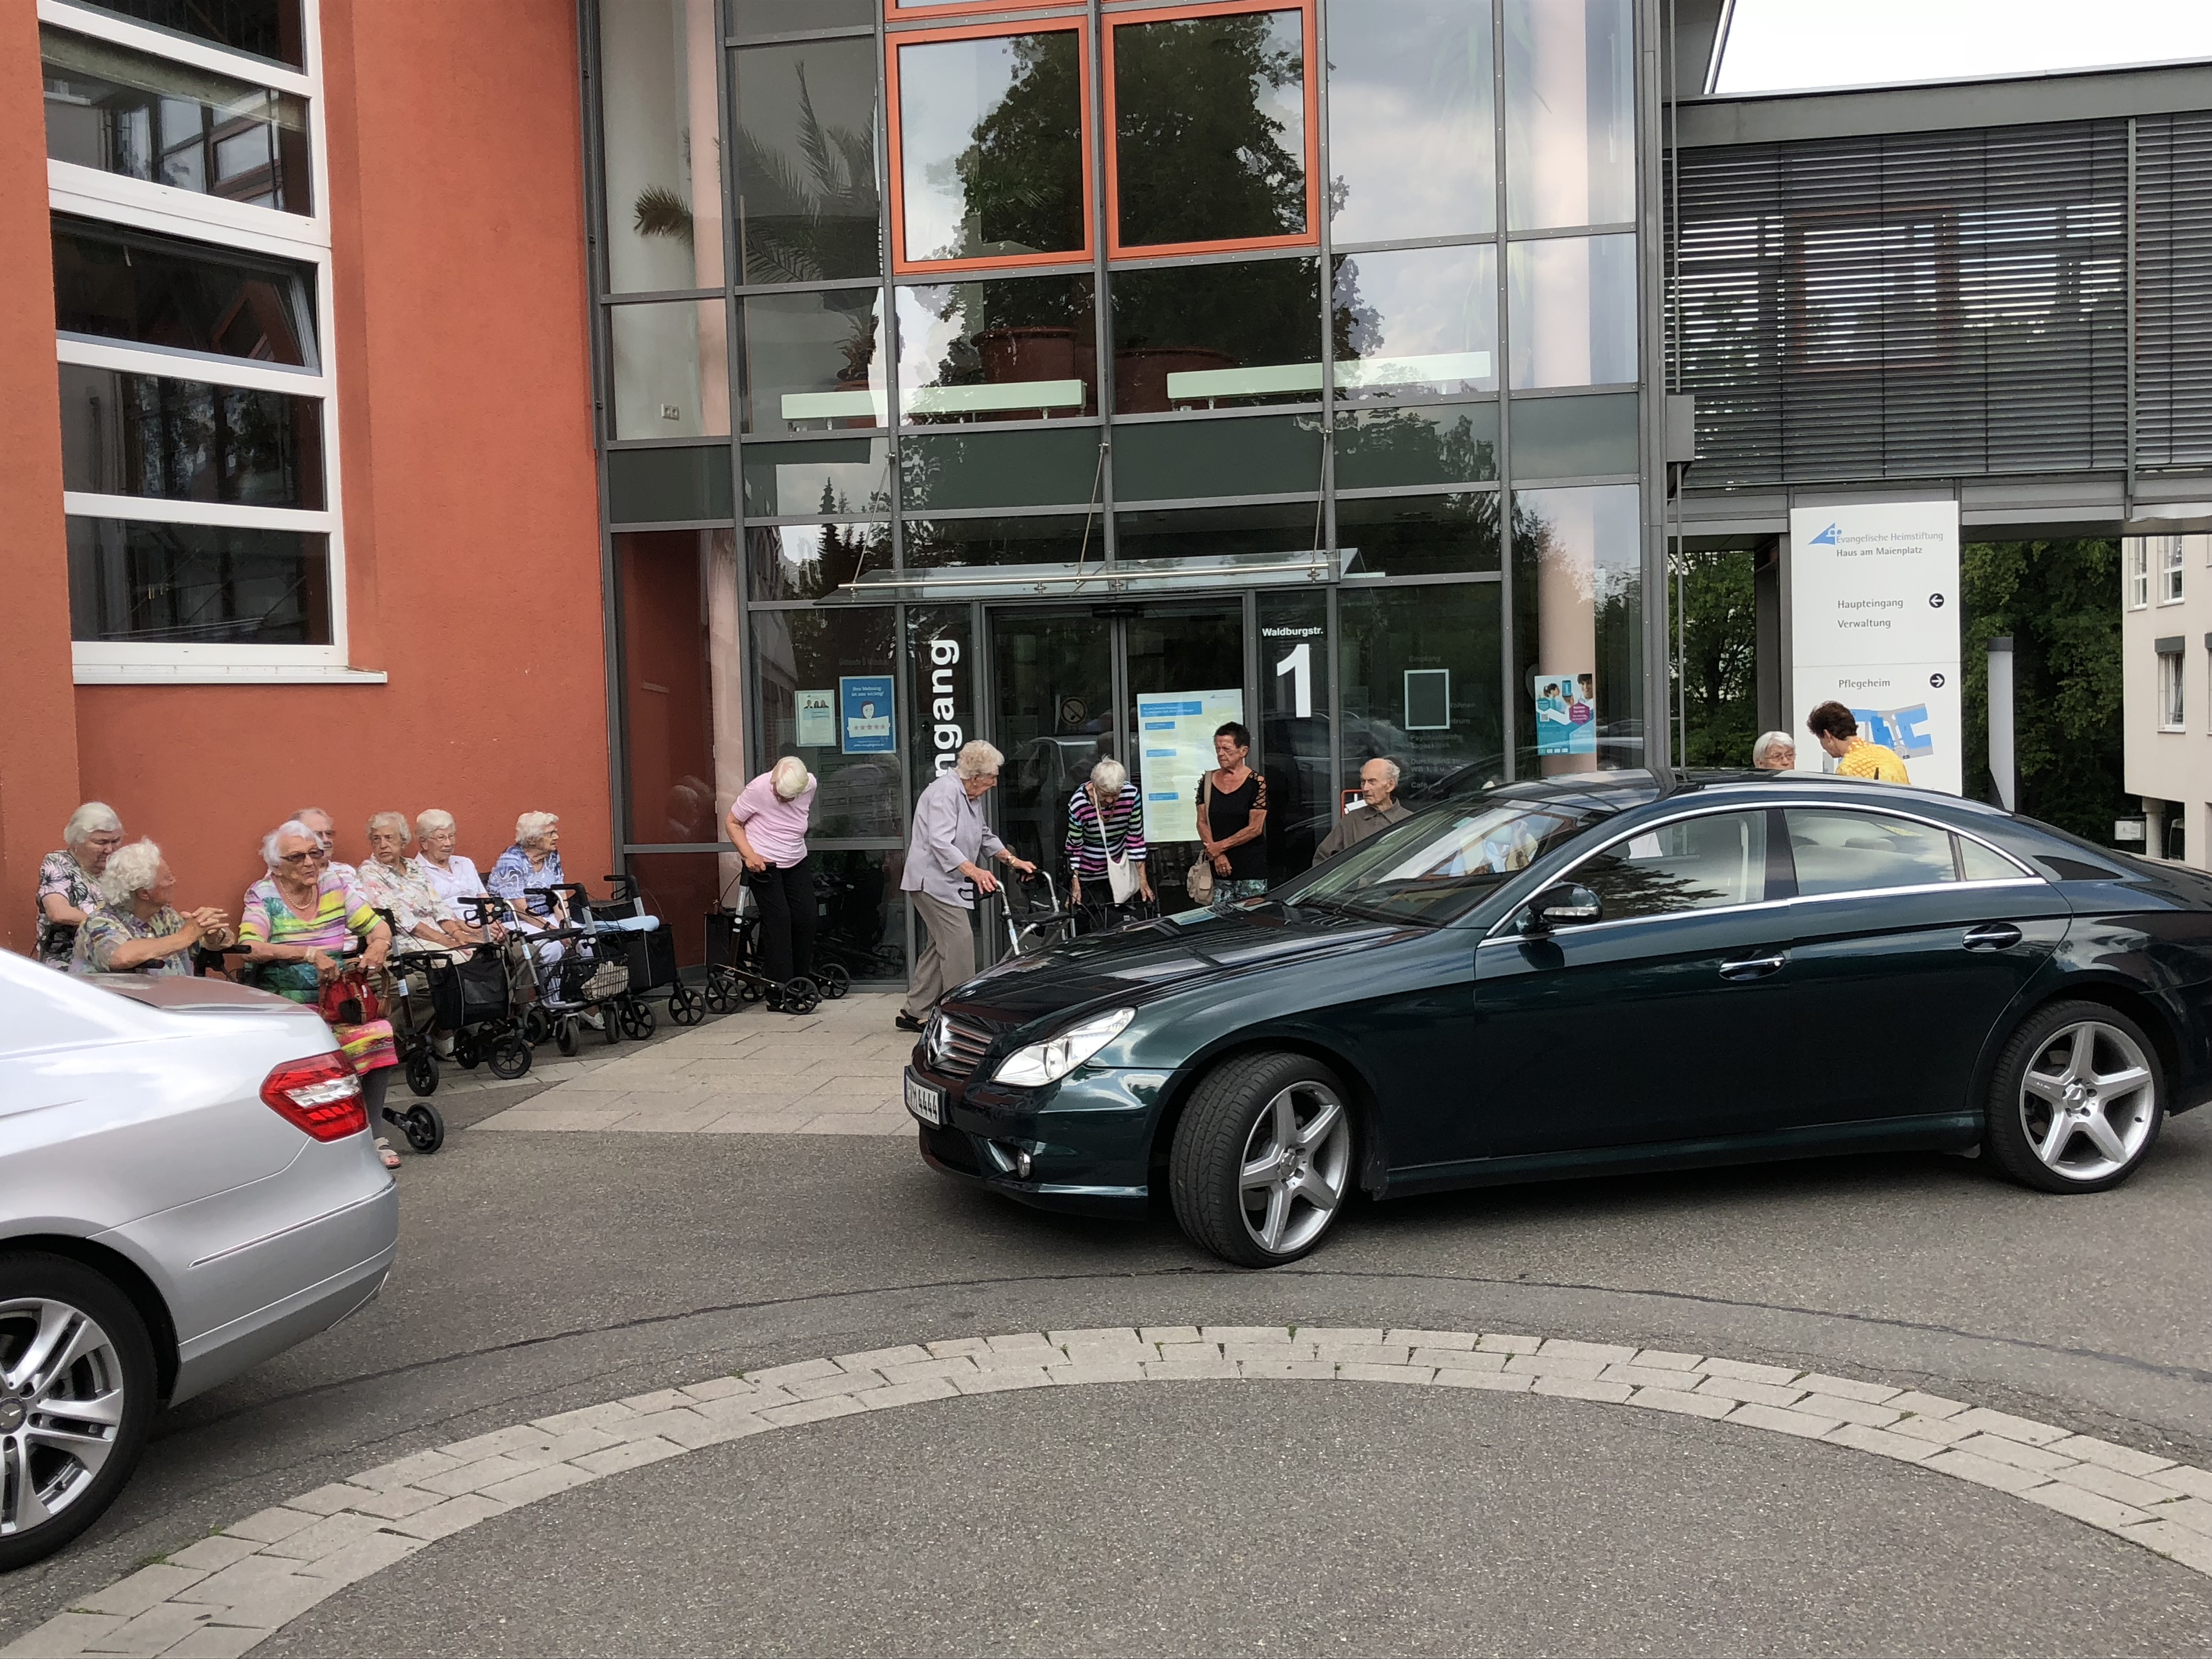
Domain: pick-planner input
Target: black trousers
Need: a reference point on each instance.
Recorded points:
(788, 915)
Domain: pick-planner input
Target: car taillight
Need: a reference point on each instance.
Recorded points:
(320, 1094)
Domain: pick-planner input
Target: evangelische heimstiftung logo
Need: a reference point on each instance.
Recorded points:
(1826, 538)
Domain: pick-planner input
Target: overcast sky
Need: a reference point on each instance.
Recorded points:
(1781, 44)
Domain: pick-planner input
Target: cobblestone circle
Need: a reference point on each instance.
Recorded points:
(221, 1596)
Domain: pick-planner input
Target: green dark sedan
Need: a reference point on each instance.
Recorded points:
(1615, 971)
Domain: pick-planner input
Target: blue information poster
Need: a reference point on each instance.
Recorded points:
(1176, 730)
(865, 703)
(1566, 710)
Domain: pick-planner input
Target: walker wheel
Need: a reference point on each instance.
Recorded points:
(754, 990)
(466, 1054)
(537, 1025)
(835, 981)
(637, 1021)
(719, 999)
(422, 1072)
(424, 1127)
(799, 995)
(564, 1034)
(686, 1006)
(610, 1021)
(510, 1058)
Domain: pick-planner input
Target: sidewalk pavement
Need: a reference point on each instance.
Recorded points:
(834, 1072)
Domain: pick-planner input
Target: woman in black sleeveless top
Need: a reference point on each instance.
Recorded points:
(1232, 820)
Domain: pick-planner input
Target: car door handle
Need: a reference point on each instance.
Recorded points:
(1753, 966)
(1993, 936)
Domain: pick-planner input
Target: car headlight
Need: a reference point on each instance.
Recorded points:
(1055, 1057)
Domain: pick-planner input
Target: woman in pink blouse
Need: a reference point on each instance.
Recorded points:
(768, 826)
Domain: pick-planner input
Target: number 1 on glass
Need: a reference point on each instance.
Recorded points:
(1298, 663)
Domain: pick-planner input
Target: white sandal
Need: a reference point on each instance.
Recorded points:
(384, 1150)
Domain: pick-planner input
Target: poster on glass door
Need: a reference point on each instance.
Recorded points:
(1175, 745)
(1566, 712)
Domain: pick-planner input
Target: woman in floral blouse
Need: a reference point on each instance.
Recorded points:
(134, 929)
(68, 880)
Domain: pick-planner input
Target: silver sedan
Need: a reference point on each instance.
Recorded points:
(188, 1185)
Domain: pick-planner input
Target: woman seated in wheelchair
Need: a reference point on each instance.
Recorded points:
(132, 927)
(296, 921)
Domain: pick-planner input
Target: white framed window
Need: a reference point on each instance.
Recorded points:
(2169, 569)
(189, 188)
(2172, 704)
(2138, 573)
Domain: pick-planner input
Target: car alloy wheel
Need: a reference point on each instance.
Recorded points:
(2076, 1104)
(1261, 1165)
(76, 1383)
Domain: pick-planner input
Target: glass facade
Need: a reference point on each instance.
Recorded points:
(1077, 354)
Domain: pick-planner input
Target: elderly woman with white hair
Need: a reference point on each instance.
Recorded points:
(394, 882)
(527, 869)
(69, 881)
(134, 928)
(1105, 843)
(943, 876)
(768, 826)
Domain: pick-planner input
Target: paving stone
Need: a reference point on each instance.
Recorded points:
(1463, 1377)
(1845, 1388)
(449, 1517)
(1125, 1334)
(1003, 1377)
(820, 1388)
(484, 1471)
(1168, 1332)
(1610, 1353)
(1925, 1405)
(1882, 1443)
(1666, 1360)
(1756, 1393)
(1384, 1373)
(1582, 1388)
(2182, 1478)
(1275, 1369)
(1936, 1431)
(659, 1400)
(906, 1394)
(1245, 1333)
(1983, 1472)
(1646, 1376)
(877, 1358)
(1024, 1344)
(716, 1387)
(1848, 1409)
(608, 1416)
(2106, 1454)
(212, 1555)
(2111, 1483)
(1563, 1366)
(1375, 1353)
(1681, 1401)
(1341, 1335)
(550, 1121)
(950, 1365)
(324, 1500)
(2009, 1427)
(262, 1589)
(2191, 1549)
(957, 1347)
(1131, 1370)
(540, 1482)
(356, 1561)
(811, 1411)
(1266, 1354)
(63, 1637)
(330, 1533)
(213, 1641)
(270, 1525)
(1743, 1371)
(478, 1447)
(128, 1597)
(1998, 1449)
(1782, 1422)
(2193, 1513)
(716, 1421)
(407, 1470)
(777, 1123)
(2097, 1511)
(1462, 1342)
(566, 1448)
(1463, 1360)
(154, 1631)
(777, 1377)
(631, 1455)
(1505, 1342)
(1196, 1369)
(397, 1503)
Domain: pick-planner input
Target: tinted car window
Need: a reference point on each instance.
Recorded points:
(1692, 864)
(1859, 852)
(1437, 865)
(1978, 863)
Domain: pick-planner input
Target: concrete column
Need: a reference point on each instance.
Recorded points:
(1566, 600)
(38, 782)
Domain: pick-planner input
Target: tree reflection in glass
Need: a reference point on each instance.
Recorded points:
(1016, 350)
(1209, 128)
(991, 146)
(806, 161)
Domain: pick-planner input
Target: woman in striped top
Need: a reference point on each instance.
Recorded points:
(1105, 817)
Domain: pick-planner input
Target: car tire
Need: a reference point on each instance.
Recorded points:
(1281, 1114)
(2078, 1100)
(119, 1356)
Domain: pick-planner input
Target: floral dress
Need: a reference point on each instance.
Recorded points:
(107, 927)
(342, 912)
(60, 874)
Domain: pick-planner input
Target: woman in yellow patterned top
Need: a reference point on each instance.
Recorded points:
(1836, 731)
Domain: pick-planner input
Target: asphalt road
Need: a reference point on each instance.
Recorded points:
(541, 1272)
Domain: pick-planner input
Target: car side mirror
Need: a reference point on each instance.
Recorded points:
(1563, 905)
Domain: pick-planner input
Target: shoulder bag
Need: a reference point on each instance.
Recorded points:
(1121, 874)
(1199, 879)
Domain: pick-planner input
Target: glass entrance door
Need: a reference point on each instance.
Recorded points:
(1143, 683)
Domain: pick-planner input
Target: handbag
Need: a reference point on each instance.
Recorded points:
(1121, 878)
(1199, 880)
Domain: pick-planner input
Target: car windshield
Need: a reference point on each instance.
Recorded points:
(1439, 865)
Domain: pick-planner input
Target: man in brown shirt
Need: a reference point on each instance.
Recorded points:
(1378, 788)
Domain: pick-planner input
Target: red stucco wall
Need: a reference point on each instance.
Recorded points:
(469, 489)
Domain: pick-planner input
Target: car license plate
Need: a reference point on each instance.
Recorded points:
(925, 1100)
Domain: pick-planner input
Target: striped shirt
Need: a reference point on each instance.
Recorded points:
(342, 910)
(1089, 843)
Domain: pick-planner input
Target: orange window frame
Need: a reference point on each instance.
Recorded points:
(1310, 237)
(895, 13)
(903, 266)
